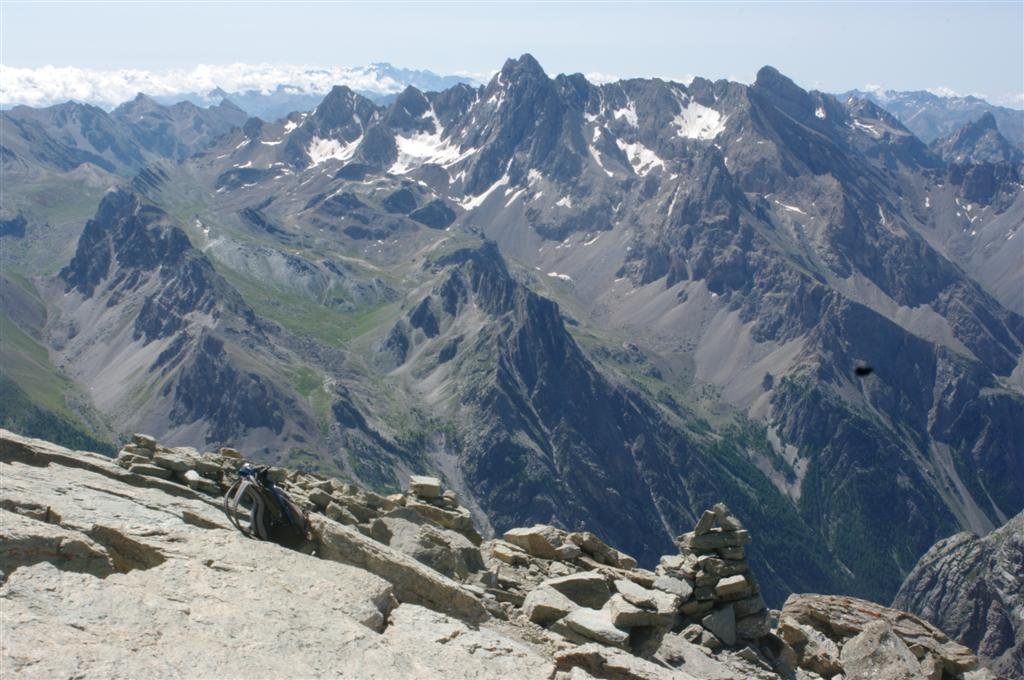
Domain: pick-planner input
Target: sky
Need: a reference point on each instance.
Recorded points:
(963, 47)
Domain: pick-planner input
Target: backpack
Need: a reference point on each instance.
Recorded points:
(260, 509)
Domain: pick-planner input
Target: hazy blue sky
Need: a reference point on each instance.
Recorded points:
(968, 47)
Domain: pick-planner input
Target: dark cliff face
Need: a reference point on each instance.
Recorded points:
(127, 247)
(970, 588)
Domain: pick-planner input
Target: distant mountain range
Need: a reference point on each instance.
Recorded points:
(596, 306)
(930, 116)
(262, 90)
(272, 92)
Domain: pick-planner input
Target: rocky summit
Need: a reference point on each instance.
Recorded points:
(128, 567)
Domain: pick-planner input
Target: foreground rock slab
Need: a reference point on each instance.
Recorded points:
(147, 583)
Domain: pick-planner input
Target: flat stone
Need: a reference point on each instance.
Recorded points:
(172, 461)
(877, 653)
(208, 466)
(545, 605)
(150, 470)
(733, 587)
(199, 483)
(508, 553)
(587, 588)
(713, 540)
(722, 622)
(425, 487)
(540, 540)
(636, 594)
(676, 586)
(596, 625)
(568, 552)
(626, 615)
(705, 523)
(320, 498)
(457, 520)
(144, 441)
(601, 551)
(413, 582)
(228, 452)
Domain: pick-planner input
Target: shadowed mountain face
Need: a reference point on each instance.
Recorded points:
(593, 306)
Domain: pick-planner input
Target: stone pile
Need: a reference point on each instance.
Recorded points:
(720, 594)
(426, 522)
(573, 584)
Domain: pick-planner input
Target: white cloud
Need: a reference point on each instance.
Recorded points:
(1014, 100)
(943, 91)
(50, 85)
(601, 78)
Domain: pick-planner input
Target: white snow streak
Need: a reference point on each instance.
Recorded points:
(628, 114)
(323, 150)
(640, 157)
(697, 121)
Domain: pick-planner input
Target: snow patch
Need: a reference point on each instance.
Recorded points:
(864, 126)
(628, 114)
(640, 157)
(696, 121)
(322, 150)
(562, 277)
(819, 113)
(564, 202)
(426, 147)
(514, 197)
(791, 208)
(476, 201)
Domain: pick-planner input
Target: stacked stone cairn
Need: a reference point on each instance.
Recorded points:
(726, 599)
(573, 584)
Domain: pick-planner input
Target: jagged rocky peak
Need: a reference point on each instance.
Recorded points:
(525, 68)
(126, 232)
(140, 104)
(340, 110)
(401, 581)
(978, 141)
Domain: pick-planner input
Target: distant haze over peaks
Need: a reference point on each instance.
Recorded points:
(49, 85)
